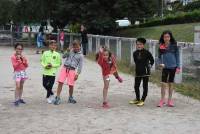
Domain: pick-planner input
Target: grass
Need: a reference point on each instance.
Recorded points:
(182, 32)
(188, 88)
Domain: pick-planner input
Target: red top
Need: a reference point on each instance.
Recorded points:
(106, 66)
(19, 64)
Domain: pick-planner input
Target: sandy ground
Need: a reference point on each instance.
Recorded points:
(87, 117)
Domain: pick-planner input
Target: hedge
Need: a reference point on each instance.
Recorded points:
(181, 18)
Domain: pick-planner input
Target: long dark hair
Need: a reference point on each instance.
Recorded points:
(172, 40)
(18, 44)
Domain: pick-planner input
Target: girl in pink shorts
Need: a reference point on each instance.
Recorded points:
(20, 64)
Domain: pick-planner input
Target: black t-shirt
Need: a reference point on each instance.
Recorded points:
(143, 58)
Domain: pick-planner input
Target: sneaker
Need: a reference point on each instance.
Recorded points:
(141, 103)
(49, 100)
(120, 79)
(71, 100)
(105, 105)
(22, 101)
(134, 101)
(161, 103)
(52, 98)
(57, 101)
(170, 103)
(16, 103)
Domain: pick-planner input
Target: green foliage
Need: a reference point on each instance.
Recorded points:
(5, 14)
(180, 18)
(98, 15)
(186, 30)
(74, 28)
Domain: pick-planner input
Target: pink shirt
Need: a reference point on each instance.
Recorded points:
(62, 35)
(19, 64)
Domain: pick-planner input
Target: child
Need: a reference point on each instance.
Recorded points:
(20, 64)
(170, 64)
(71, 69)
(108, 65)
(40, 40)
(62, 39)
(143, 61)
(51, 61)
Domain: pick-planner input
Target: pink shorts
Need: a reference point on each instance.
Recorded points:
(20, 76)
(68, 75)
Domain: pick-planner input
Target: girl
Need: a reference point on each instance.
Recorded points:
(20, 64)
(62, 39)
(170, 64)
(108, 65)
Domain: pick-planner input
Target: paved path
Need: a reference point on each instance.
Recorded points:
(87, 117)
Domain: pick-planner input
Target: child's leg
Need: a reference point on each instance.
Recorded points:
(116, 74)
(118, 77)
(59, 89)
(163, 90)
(170, 90)
(17, 91)
(48, 82)
(137, 87)
(145, 88)
(51, 83)
(105, 88)
(71, 90)
(21, 88)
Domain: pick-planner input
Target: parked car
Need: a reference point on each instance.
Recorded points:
(123, 23)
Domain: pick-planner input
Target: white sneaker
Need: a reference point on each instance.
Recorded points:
(49, 100)
(52, 97)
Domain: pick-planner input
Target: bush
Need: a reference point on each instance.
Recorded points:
(180, 18)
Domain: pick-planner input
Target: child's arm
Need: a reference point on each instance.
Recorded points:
(66, 54)
(151, 59)
(177, 54)
(15, 62)
(58, 62)
(135, 57)
(25, 62)
(42, 60)
(80, 65)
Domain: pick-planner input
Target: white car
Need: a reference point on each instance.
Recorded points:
(123, 23)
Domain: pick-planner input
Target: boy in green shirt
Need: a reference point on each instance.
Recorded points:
(51, 61)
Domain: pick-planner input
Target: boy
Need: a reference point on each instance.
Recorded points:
(71, 69)
(51, 61)
(143, 61)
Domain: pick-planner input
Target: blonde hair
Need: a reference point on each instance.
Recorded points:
(76, 43)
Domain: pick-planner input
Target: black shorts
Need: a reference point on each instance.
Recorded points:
(168, 75)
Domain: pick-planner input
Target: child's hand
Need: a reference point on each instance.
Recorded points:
(162, 66)
(76, 77)
(178, 70)
(101, 49)
(49, 66)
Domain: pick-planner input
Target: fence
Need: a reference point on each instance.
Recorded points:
(123, 48)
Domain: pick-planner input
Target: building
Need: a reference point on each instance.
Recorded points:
(185, 2)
